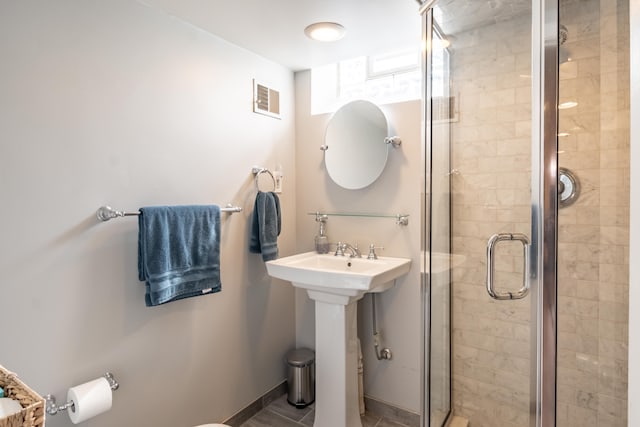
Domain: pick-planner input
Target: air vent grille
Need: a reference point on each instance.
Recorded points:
(444, 108)
(266, 100)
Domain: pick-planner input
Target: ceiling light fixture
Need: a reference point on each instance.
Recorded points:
(325, 31)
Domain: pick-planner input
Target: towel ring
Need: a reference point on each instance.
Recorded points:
(257, 171)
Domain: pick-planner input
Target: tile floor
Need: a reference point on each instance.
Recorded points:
(280, 413)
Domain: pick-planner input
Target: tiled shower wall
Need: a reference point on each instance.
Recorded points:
(593, 247)
(491, 194)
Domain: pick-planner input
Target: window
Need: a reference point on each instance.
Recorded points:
(383, 79)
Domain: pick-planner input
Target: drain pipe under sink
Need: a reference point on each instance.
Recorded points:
(360, 380)
(385, 354)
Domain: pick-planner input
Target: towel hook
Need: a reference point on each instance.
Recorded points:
(257, 171)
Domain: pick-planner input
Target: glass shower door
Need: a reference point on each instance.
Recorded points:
(437, 258)
(480, 132)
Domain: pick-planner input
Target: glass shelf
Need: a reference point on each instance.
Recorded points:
(401, 219)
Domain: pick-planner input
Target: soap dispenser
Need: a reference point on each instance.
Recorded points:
(321, 240)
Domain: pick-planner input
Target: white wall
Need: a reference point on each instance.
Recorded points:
(396, 191)
(634, 250)
(116, 103)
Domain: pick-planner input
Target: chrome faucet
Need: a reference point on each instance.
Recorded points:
(341, 247)
(372, 251)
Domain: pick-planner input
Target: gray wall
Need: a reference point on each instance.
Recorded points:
(396, 191)
(116, 103)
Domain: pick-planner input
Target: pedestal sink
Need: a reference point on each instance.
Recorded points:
(336, 284)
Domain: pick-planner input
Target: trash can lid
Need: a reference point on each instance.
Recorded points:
(300, 357)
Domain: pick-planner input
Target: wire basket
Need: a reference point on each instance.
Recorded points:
(32, 414)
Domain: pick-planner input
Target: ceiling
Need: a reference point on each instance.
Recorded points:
(274, 28)
(456, 16)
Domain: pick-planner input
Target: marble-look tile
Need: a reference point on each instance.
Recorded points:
(370, 420)
(611, 406)
(268, 418)
(615, 331)
(458, 422)
(284, 408)
(240, 418)
(391, 413)
(309, 419)
(274, 394)
(388, 423)
(277, 414)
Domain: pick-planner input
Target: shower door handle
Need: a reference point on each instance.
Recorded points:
(491, 245)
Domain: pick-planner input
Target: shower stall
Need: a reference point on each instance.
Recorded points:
(525, 212)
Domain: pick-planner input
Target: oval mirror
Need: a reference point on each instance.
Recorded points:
(356, 151)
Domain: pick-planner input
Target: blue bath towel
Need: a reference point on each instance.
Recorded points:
(266, 225)
(178, 252)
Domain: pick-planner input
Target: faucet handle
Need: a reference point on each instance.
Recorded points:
(356, 252)
(340, 247)
(372, 251)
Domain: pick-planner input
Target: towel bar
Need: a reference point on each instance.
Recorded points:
(105, 213)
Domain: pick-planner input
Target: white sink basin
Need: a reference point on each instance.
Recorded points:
(339, 274)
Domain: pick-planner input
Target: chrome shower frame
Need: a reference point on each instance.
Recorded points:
(544, 209)
(425, 215)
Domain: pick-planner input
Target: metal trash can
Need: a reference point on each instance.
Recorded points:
(301, 377)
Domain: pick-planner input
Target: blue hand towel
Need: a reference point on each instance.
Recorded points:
(178, 252)
(266, 225)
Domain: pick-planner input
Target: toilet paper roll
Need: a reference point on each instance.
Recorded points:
(89, 399)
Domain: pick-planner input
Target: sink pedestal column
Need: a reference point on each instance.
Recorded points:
(336, 360)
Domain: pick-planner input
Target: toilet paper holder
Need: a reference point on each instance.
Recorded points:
(52, 408)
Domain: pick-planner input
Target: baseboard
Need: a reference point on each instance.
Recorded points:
(391, 412)
(257, 405)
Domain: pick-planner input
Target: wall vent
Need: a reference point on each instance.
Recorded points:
(444, 108)
(266, 100)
